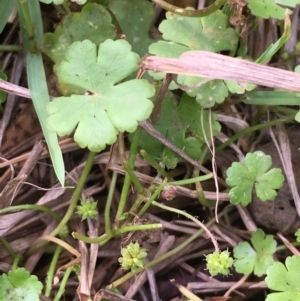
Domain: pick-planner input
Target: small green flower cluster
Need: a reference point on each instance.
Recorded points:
(219, 263)
(132, 257)
(87, 209)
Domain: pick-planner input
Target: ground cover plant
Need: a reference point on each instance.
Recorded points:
(149, 150)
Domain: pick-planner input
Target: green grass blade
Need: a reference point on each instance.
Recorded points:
(272, 98)
(39, 92)
(6, 8)
(273, 48)
(37, 80)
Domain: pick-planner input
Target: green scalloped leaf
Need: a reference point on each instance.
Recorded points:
(284, 280)
(253, 173)
(211, 33)
(135, 18)
(257, 258)
(269, 9)
(93, 23)
(20, 285)
(107, 106)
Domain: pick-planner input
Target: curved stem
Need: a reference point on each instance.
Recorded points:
(73, 202)
(30, 207)
(127, 180)
(91, 240)
(8, 247)
(51, 270)
(134, 228)
(170, 253)
(76, 194)
(109, 202)
(252, 129)
(152, 198)
(63, 284)
(192, 180)
(15, 264)
(154, 164)
(190, 13)
(195, 220)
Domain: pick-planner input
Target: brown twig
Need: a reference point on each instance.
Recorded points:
(218, 66)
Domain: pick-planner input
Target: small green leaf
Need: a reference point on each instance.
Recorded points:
(6, 8)
(210, 33)
(297, 117)
(267, 8)
(289, 3)
(257, 258)
(254, 172)
(92, 23)
(107, 107)
(135, 18)
(20, 285)
(181, 124)
(245, 258)
(274, 47)
(284, 280)
(237, 87)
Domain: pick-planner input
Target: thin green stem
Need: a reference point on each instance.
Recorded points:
(134, 228)
(123, 197)
(8, 247)
(154, 164)
(200, 192)
(76, 195)
(51, 271)
(66, 7)
(137, 203)
(29, 27)
(109, 203)
(63, 284)
(152, 198)
(73, 203)
(91, 240)
(17, 259)
(190, 13)
(106, 237)
(170, 253)
(134, 179)
(31, 207)
(127, 180)
(192, 180)
(10, 48)
(285, 110)
(252, 129)
(195, 220)
(284, 247)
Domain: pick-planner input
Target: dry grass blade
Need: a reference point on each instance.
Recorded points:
(286, 158)
(218, 66)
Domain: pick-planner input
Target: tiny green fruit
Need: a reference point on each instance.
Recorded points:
(219, 263)
(132, 257)
(87, 209)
